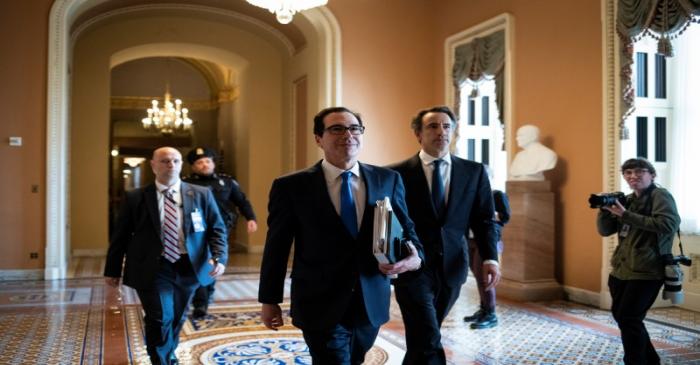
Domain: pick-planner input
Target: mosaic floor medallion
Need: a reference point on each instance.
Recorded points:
(284, 347)
(269, 351)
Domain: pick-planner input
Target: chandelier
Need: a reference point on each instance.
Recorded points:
(168, 120)
(285, 9)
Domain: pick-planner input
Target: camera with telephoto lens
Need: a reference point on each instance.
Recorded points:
(606, 199)
(673, 289)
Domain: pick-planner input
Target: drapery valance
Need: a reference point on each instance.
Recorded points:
(661, 19)
(481, 59)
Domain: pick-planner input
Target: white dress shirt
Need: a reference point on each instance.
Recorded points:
(334, 179)
(445, 170)
(177, 196)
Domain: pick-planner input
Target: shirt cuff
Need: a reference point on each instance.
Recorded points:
(492, 262)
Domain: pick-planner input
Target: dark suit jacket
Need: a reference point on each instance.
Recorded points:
(137, 235)
(502, 205)
(328, 261)
(469, 205)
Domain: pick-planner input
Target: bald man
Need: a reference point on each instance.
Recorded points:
(174, 240)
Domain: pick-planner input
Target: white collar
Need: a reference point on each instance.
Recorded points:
(334, 171)
(175, 188)
(428, 159)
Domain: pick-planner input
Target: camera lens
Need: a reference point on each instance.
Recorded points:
(606, 199)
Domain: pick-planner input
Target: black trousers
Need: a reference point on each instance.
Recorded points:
(347, 342)
(203, 296)
(631, 299)
(424, 305)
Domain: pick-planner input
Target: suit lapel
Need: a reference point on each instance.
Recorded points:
(372, 187)
(187, 196)
(458, 179)
(319, 191)
(420, 181)
(149, 195)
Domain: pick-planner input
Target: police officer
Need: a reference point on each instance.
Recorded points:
(228, 194)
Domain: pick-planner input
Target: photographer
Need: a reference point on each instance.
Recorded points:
(645, 224)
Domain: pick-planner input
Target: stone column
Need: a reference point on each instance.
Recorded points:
(527, 264)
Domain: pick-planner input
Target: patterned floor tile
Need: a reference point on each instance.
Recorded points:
(65, 322)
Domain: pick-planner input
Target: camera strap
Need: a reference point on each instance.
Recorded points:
(680, 244)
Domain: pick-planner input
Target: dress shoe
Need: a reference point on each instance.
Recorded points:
(474, 317)
(488, 320)
(199, 312)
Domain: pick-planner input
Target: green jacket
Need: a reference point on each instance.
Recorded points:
(652, 226)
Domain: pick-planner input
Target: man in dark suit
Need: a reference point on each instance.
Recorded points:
(174, 240)
(446, 196)
(340, 294)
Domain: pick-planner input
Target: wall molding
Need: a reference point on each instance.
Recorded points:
(9, 275)
(89, 252)
(188, 8)
(582, 296)
(610, 142)
(505, 22)
(60, 47)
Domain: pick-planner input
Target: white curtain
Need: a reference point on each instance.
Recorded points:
(684, 182)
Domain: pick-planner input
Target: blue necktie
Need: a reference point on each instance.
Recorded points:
(438, 192)
(347, 205)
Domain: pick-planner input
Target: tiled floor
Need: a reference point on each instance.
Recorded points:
(80, 321)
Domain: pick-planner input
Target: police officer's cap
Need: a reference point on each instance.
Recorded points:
(199, 152)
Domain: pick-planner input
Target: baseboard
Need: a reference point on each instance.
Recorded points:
(582, 296)
(256, 249)
(89, 252)
(692, 301)
(529, 291)
(7, 275)
(603, 300)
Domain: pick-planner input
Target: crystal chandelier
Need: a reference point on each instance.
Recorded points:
(170, 119)
(285, 9)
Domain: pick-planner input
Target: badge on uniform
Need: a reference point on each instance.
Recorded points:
(625, 230)
(221, 182)
(197, 221)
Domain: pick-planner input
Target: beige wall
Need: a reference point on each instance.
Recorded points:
(392, 65)
(23, 36)
(387, 55)
(259, 109)
(558, 87)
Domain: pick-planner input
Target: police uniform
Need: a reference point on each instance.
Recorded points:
(228, 196)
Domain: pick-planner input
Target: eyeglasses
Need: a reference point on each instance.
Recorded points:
(637, 172)
(339, 130)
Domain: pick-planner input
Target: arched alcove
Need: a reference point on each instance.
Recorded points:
(321, 55)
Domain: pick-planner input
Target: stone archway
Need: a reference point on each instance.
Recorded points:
(61, 20)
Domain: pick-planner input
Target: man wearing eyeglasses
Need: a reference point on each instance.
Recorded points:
(339, 293)
(446, 197)
(645, 226)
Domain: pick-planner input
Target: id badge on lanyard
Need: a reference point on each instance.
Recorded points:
(625, 230)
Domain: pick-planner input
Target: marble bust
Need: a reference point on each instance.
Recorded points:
(534, 158)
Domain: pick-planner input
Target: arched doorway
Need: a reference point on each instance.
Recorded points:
(318, 25)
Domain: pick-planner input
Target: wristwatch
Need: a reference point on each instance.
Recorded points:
(216, 260)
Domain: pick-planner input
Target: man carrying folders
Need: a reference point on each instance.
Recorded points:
(339, 293)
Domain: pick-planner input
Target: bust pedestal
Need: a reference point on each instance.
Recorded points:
(527, 264)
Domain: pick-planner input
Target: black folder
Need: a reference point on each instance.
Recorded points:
(388, 245)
